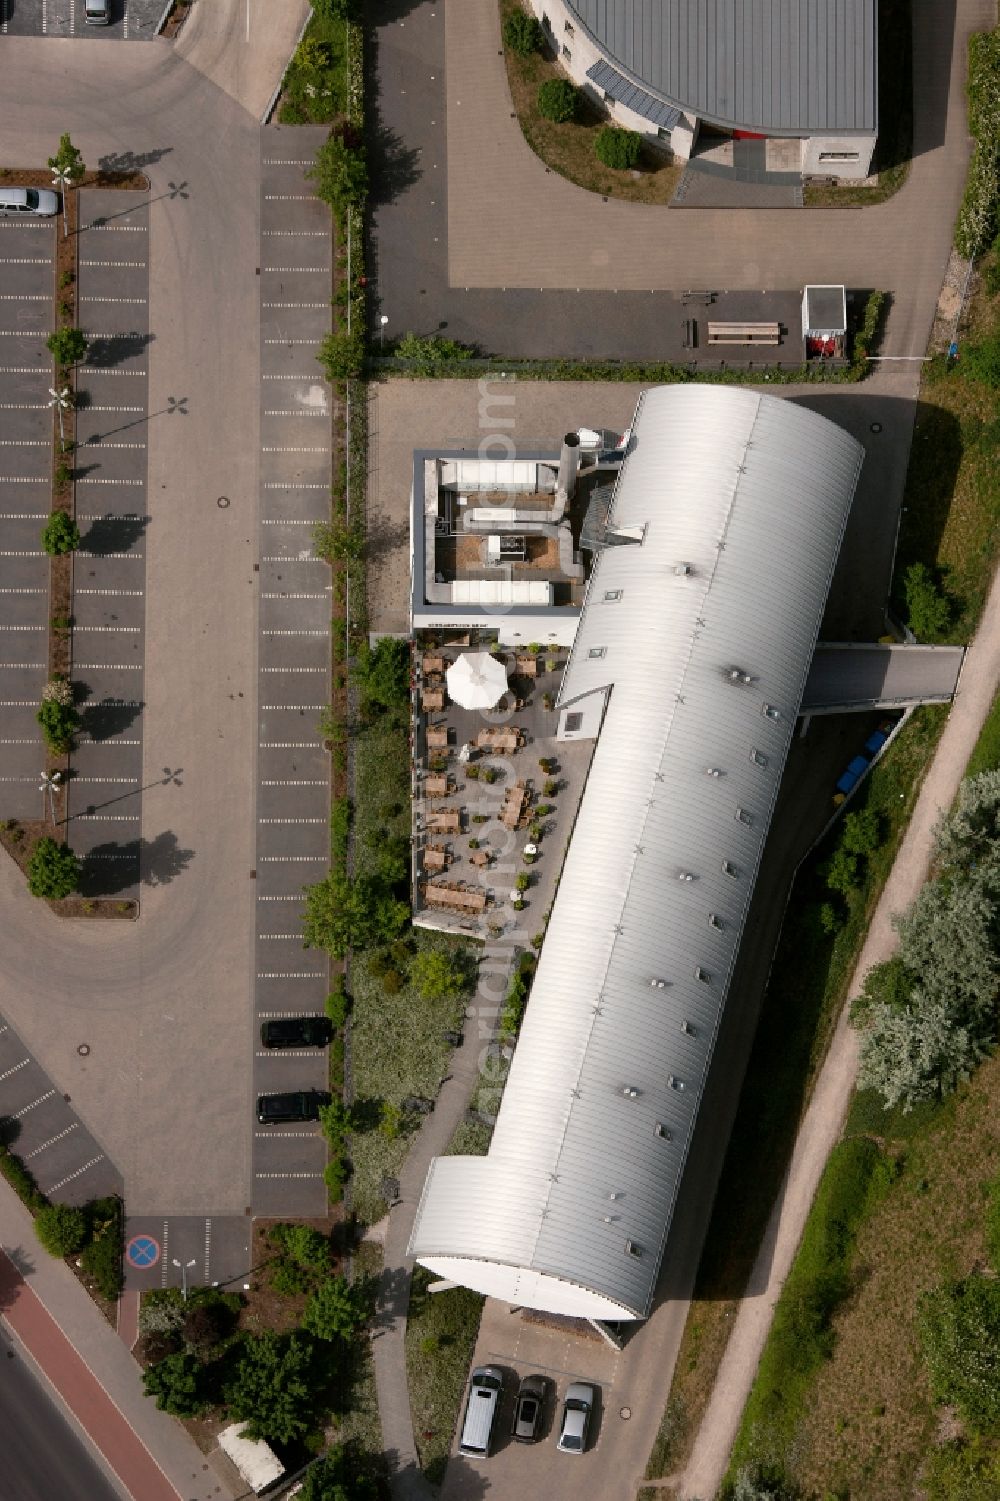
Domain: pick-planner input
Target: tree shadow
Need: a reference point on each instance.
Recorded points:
(110, 534)
(10, 1130)
(132, 161)
(112, 867)
(114, 349)
(15, 1264)
(393, 165)
(107, 717)
(384, 538)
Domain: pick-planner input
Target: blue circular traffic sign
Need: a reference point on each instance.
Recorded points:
(142, 1251)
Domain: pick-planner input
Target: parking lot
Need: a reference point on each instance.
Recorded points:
(26, 317)
(210, 1250)
(109, 581)
(39, 1123)
(135, 20)
(293, 770)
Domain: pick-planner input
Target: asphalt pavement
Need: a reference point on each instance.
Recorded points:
(128, 20)
(44, 1455)
(27, 253)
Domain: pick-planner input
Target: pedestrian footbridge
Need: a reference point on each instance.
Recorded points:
(846, 676)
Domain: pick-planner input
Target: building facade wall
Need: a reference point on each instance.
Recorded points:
(849, 157)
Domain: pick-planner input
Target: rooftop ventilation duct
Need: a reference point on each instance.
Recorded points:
(569, 466)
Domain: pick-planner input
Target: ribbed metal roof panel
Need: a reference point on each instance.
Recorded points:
(607, 78)
(801, 66)
(749, 495)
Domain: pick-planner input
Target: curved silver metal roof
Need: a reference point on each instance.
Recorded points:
(799, 66)
(701, 638)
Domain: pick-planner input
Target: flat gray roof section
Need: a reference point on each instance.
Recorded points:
(849, 677)
(607, 78)
(796, 67)
(700, 635)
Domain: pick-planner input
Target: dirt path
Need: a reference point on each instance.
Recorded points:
(824, 1118)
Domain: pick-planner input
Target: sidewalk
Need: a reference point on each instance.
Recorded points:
(82, 1357)
(824, 1118)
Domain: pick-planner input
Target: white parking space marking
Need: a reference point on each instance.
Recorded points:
(34, 1104)
(78, 1174)
(52, 1140)
(287, 1055)
(287, 745)
(135, 265)
(24, 1061)
(25, 297)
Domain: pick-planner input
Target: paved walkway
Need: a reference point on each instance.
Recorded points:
(827, 1109)
(94, 1375)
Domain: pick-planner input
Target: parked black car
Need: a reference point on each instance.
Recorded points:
(296, 1032)
(299, 1105)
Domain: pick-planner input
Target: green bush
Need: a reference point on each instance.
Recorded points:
(102, 1256)
(977, 217)
(558, 100)
(523, 34)
(273, 1387)
(337, 1004)
(980, 361)
(392, 982)
(67, 346)
(176, 1384)
(340, 172)
(342, 355)
(428, 351)
(993, 1225)
(21, 1180)
(61, 1228)
(335, 1311)
(960, 1329)
(928, 610)
(53, 870)
(618, 148)
(382, 673)
(60, 534)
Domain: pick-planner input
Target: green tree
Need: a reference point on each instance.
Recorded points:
(342, 355)
(68, 159)
(335, 10)
(67, 346)
(60, 534)
(176, 1384)
(928, 610)
(340, 173)
(618, 148)
(335, 1311)
(338, 541)
(862, 832)
(960, 1329)
(438, 976)
(841, 871)
(53, 870)
(523, 34)
(57, 715)
(558, 100)
(341, 1475)
(305, 1246)
(344, 914)
(61, 1228)
(913, 1055)
(888, 984)
(272, 1389)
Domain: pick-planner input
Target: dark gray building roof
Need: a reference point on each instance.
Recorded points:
(804, 67)
(625, 92)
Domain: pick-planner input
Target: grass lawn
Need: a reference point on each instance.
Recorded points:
(895, 109)
(397, 1046)
(952, 516)
(569, 149)
(986, 756)
(441, 1334)
(807, 988)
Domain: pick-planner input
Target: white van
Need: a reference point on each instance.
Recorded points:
(481, 1412)
(96, 12)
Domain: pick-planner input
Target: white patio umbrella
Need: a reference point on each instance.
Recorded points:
(477, 680)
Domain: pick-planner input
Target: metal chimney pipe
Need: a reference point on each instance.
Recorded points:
(569, 465)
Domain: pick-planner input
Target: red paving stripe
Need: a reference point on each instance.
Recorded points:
(79, 1388)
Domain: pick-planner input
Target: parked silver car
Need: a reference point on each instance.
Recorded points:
(577, 1410)
(26, 203)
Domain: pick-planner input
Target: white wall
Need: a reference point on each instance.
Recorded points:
(858, 147)
(557, 627)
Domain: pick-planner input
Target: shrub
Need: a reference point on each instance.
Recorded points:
(523, 34)
(336, 1174)
(841, 871)
(21, 1180)
(161, 1311)
(439, 976)
(993, 1225)
(335, 1311)
(102, 1257)
(522, 880)
(61, 1228)
(340, 171)
(67, 346)
(981, 361)
(62, 475)
(382, 673)
(175, 1383)
(337, 1004)
(618, 148)
(273, 1388)
(53, 870)
(558, 100)
(338, 541)
(960, 1329)
(428, 351)
(57, 715)
(550, 788)
(862, 832)
(60, 534)
(342, 355)
(928, 609)
(392, 982)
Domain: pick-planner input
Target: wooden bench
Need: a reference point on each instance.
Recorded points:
(437, 739)
(744, 333)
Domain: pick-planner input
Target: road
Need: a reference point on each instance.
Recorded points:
(43, 1453)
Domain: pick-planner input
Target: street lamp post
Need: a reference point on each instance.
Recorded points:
(61, 401)
(63, 178)
(51, 785)
(381, 330)
(184, 1275)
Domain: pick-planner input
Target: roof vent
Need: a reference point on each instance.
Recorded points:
(702, 975)
(744, 816)
(687, 1027)
(674, 1082)
(633, 1249)
(713, 771)
(663, 1132)
(657, 984)
(729, 869)
(715, 921)
(682, 569)
(757, 756)
(739, 675)
(614, 1195)
(630, 1092)
(685, 875)
(770, 712)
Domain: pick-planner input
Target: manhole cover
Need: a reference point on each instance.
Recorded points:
(625, 1412)
(875, 427)
(222, 502)
(84, 1049)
